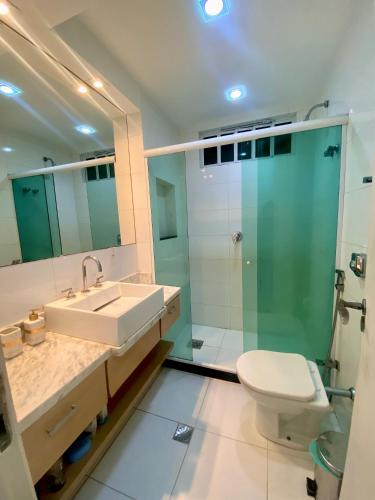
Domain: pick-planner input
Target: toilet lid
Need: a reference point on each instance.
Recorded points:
(278, 374)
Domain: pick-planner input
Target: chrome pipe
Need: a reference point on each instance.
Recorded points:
(343, 393)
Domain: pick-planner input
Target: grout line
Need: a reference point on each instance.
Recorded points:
(162, 416)
(113, 489)
(231, 438)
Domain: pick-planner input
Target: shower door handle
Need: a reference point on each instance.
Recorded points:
(237, 237)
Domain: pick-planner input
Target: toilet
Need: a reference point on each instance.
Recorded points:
(289, 394)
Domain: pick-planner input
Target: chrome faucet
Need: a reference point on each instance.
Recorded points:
(84, 272)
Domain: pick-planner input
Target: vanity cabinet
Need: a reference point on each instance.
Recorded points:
(173, 313)
(50, 436)
(119, 368)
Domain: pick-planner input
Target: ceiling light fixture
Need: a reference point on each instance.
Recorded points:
(82, 89)
(7, 149)
(214, 8)
(98, 84)
(85, 129)
(9, 90)
(4, 9)
(235, 93)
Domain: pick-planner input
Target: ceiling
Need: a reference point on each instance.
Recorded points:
(282, 50)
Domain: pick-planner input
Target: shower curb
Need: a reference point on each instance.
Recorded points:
(201, 370)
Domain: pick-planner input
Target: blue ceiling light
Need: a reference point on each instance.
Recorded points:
(235, 94)
(85, 129)
(214, 8)
(9, 90)
(7, 149)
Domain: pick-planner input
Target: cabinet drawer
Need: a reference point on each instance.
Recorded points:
(173, 312)
(47, 439)
(121, 367)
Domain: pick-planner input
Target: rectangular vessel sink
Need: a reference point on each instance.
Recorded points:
(109, 314)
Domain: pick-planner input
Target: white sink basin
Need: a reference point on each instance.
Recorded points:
(109, 314)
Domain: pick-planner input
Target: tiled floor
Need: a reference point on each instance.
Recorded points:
(220, 347)
(226, 458)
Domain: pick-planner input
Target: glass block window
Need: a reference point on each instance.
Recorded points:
(227, 151)
(263, 146)
(283, 143)
(247, 150)
(100, 172)
(91, 173)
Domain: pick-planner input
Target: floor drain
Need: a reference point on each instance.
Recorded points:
(196, 344)
(183, 433)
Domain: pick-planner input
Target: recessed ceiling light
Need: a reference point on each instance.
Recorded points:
(7, 149)
(4, 9)
(98, 84)
(235, 93)
(85, 129)
(9, 90)
(82, 89)
(214, 8)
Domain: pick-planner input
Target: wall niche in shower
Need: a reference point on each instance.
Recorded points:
(166, 196)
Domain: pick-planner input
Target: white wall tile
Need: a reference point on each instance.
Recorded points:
(356, 216)
(209, 247)
(208, 222)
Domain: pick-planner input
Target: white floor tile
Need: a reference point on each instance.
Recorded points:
(205, 355)
(282, 466)
(92, 490)
(233, 339)
(219, 468)
(176, 395)
(211, 335)
(227, 358)
(230, 411)
(144, 460)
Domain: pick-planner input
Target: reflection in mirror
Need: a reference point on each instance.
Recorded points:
(46, 121)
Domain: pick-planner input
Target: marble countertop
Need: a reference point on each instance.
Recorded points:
(45, 373)
(170, 292)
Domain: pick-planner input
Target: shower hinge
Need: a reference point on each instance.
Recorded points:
(331, 364)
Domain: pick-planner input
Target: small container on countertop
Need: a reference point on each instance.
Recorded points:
(35, 328)
(11, 341)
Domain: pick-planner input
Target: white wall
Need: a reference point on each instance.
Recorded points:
(350, 87)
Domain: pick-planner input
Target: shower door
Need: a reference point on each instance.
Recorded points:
(36, 213)
(167, 180)
(289, 220)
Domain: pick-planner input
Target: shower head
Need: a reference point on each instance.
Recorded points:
(323, 104)
(332, 150)
(47, 159)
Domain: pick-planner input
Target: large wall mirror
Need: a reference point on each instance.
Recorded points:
(47, 120)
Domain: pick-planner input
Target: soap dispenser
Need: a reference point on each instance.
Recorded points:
(35, 328)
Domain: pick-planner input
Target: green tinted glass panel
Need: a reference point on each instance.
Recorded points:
(104, 223)
(167, 177)
(32, 218)
(290, 211)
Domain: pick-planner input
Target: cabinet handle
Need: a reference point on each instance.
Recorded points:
(73, 409)
(172, 310)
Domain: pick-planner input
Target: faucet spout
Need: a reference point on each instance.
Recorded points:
(84, 270)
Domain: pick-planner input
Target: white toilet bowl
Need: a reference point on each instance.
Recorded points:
(289, 394)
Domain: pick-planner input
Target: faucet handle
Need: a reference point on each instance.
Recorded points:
(69, 293)
(99, 279)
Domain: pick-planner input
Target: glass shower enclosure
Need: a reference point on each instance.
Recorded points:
(288, 220)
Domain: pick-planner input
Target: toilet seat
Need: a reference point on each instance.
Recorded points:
(277, 374)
